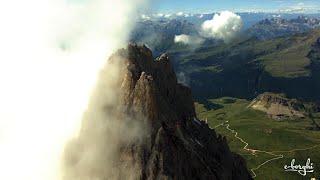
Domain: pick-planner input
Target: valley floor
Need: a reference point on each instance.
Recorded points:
(266, 144)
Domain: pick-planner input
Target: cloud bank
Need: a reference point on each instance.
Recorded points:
(226, 25)
(98, 152)
(52, 51)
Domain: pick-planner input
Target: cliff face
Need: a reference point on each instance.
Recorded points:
(278, 107)
(168, 141)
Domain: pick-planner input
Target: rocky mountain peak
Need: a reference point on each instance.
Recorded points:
(152, 124)
(265, 22)
(306, 20)
(140, 66)
(273, 21)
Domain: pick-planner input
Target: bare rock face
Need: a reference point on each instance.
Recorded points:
(278, 107)
(171, 142)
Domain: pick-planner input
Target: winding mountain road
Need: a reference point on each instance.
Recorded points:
(254, 151)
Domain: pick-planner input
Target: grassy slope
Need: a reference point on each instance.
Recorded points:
(281, 57)
(280, 65)
(266, 134)
(292, 61)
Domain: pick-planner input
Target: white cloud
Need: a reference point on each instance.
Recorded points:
(167, 15)
(294, 9)
(226, 25)
(185, 39)
(301, 7)
(145, 17)
(51, 54)
(188, 40)
(180, 13)
(183, 78)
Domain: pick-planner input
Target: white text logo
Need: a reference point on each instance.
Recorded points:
(303, 170)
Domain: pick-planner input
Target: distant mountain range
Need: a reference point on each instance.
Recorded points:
(274, 27)
(159, 34)
(249, 18)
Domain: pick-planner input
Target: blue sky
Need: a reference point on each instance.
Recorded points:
(197, 6)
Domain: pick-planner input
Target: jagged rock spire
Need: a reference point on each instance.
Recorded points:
(171, 143)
